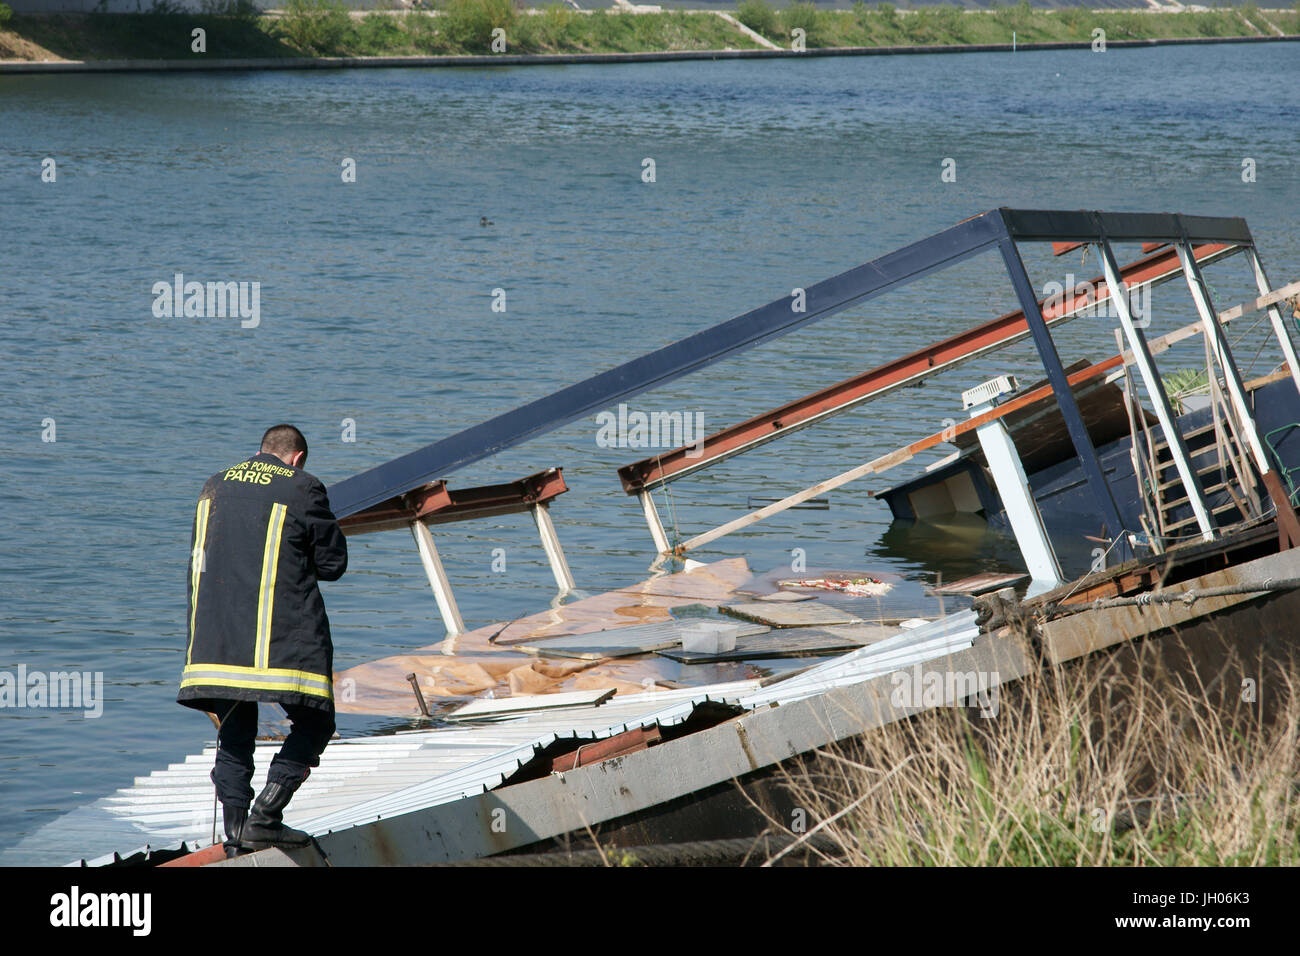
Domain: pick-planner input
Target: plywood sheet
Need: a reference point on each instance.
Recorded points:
(621, 642)
(981, 583)
(513, 706)
(803, 614)
(782, 642)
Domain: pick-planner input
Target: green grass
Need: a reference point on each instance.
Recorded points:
(947, 25)
(147, 36)
(1149, 755)
(324, 27)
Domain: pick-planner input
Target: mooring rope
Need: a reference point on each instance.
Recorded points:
(1186, 597)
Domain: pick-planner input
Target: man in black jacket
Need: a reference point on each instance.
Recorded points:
(263, 536)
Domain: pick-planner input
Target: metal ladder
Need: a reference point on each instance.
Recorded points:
(1223, 473)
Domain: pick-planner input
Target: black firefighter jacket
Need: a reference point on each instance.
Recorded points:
(263, 536)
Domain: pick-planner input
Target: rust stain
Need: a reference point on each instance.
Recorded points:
(744, 745)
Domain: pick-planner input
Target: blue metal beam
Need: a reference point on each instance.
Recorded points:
(657, 368)
(1057, 225)
(1074, 424)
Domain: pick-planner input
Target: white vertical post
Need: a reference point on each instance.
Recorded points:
(652, 519)
(1022, 510)
(1222, 354)
(437, 578)
(1155, 391)
(1275, 316)
(554, 553)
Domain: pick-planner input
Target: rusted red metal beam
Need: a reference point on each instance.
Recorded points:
(436, 503)
(630, 741)
(209, 854)
(1002, 331)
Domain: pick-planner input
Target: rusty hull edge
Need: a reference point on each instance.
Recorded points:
(515, 817)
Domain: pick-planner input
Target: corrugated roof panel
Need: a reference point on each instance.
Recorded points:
(364, 779)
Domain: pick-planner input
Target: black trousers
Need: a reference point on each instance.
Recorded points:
(309, 733)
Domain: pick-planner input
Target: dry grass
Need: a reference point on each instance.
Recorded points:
(1120, 760)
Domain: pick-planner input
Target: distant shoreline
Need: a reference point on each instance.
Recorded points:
(335, 39)
(540, 59)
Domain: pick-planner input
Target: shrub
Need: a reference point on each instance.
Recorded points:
(1071, 17)
(1016, 17)
(5, 12)
(552, 25)
(468, 24)
(380, 33)
(315, 26)
(800, 16)
(235, 9)
(605, 28)
(758, 15)
(948, 20)
(423, 31)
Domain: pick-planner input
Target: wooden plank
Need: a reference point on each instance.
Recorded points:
(803, 614)
(1263, 302)
(980, 583)
(508, 706)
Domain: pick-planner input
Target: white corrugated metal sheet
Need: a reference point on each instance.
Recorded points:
(364, 779)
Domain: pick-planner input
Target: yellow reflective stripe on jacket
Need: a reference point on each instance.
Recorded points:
(196, 565)
(266, 590)
(258, 678)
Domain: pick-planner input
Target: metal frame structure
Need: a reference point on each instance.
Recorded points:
(436, 503)
(1196, 240)
(649, 473)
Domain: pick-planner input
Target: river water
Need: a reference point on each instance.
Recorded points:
(376, 306)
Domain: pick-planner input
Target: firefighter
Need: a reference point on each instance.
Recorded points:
(263, 536)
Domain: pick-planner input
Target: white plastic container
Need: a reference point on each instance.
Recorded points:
(710, 637)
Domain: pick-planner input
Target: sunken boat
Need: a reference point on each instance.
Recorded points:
(1187, 507)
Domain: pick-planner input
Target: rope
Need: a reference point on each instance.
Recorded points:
(1122, 535)
(672, 507)
(1187, 598)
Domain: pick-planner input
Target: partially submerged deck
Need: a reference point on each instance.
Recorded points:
(512, 658)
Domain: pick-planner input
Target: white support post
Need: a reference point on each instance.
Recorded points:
(652, 519)
(1222, 355)
(437, 578)
(1018, 500)
(1280, 328)
(554, 553)
(1155, 391)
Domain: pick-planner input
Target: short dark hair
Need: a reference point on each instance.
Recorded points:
(283, 441)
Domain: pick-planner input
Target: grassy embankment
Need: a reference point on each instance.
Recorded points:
(324, 28)
(1091, 765)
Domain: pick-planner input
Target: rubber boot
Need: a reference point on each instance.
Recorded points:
(235, 818)
(265, 827)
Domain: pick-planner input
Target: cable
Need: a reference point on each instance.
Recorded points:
(672, 508)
